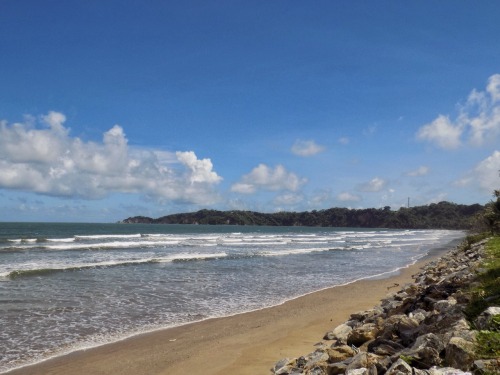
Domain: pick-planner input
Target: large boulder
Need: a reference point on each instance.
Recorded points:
(426, 351)
(362, 334)
(340, 333)
(460, 353)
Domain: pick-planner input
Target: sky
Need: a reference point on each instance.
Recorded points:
(113, 108)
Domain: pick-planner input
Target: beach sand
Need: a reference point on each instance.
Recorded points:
(248, 343)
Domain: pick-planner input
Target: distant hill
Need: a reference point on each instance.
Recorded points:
(443, 215)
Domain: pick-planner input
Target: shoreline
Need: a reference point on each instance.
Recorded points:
(245, 343)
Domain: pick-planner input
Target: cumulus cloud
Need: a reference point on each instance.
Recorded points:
(485, 174)
(264, 177)
(420, 171)
(348, 197)
(477, 121)
(374, 185)
(45, 159)
(442, 132)
(306, 148)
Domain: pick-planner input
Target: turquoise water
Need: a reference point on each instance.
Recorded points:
(65, 287)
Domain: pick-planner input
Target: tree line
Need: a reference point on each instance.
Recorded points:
(442, 215)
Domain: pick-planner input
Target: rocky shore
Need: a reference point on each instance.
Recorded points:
(419, 329)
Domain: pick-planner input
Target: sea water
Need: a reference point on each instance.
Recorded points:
(65, 287)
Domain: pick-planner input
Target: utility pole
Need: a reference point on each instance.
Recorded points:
(408, 202)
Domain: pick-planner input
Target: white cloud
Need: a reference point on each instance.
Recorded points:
(486, 173)
(478, 120)
(493, 87)
(374, 185)
(442, 132)
(348, 197)
(420, 171)
(263, 177)
(306, 148)
(47, 160)
(288, 199)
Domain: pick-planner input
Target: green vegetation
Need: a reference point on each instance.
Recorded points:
(491, 214)
(407, 358)
(485, 294)
(488, 344)
(443, 215)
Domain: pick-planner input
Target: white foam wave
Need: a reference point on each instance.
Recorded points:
(104, 236)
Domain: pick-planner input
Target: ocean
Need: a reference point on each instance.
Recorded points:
(65, 287)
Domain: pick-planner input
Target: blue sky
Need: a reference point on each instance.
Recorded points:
(110, 109)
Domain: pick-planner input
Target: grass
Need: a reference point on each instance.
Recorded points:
(487, 292)
(484, 295)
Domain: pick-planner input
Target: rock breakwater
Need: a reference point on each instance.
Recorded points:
(420, 329)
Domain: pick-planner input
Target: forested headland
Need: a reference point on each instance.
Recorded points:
(442, 215)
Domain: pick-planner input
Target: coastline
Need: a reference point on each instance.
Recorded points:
(247, 343)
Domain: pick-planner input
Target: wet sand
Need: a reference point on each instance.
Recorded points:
(248, 343)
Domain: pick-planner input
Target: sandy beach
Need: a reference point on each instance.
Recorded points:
(247, 343)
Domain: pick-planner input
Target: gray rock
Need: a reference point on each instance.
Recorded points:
(399, 367)
(446, 306)
(460, 353)
(358, 361)
(281, 364)
(484, 321)
(365, 360)
(358, 371)
(316, 358)
(446, 371)
(341, 332)
(482, 366)
(425, 352)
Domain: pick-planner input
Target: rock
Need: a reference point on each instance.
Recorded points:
(446, 371)
(483, 366)
(341, 332)
(418, 315)
(385, 347)
(460, 353)
(425, 352)
(358, 371)
(383, 363)
(367, 316)
(399, 367)
(363, 359)
(340, 353)
(337, 368)
(362, 334)
(358, 361)
(316, 358)
(317, 370)
(402, 327)
(485, 320)
(282, 363)
(446, 306)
